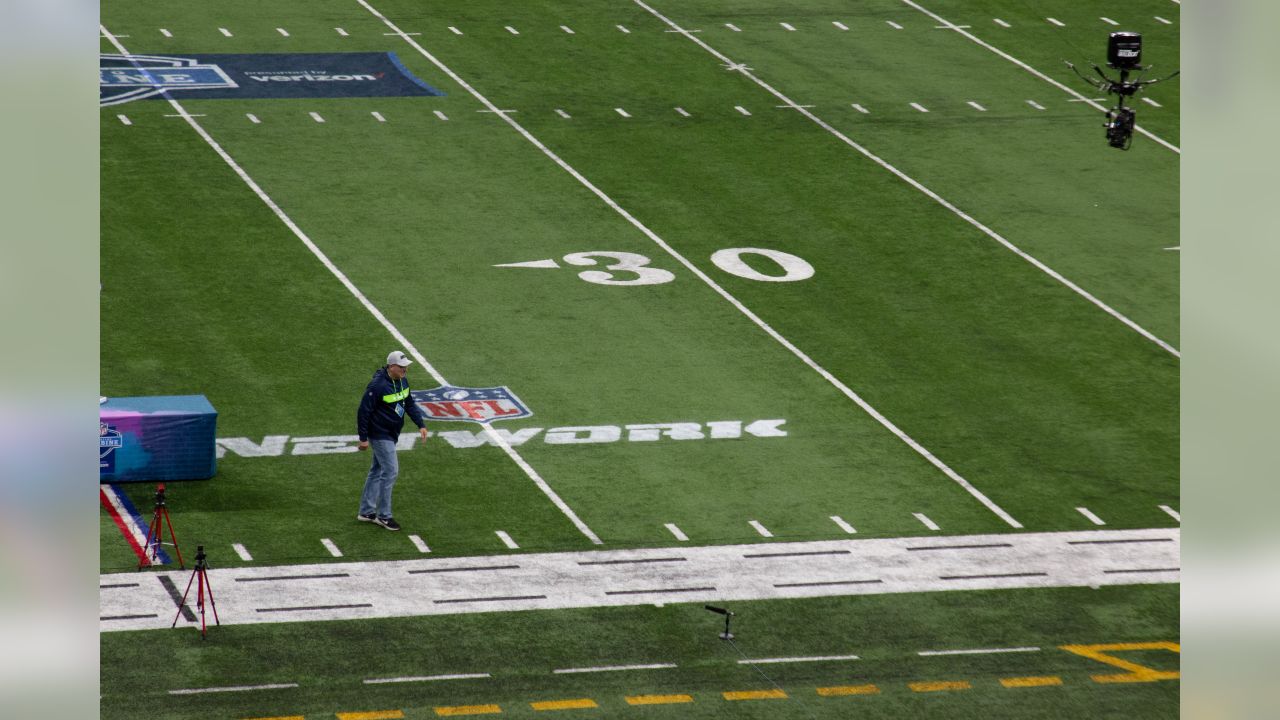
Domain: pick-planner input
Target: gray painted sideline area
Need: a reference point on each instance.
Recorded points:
(599, 578)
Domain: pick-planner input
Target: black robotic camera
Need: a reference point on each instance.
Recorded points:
(1124, 53)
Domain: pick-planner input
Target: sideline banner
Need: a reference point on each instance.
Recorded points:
(123, 78)
(167, 437)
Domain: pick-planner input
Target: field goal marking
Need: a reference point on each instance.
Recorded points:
(918, 186)
(494, 436)
(845, 389)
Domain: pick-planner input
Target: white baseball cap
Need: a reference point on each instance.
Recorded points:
(398, 358)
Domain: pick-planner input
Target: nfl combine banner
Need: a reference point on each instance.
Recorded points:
(158, 438)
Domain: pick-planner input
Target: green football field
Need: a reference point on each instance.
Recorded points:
(762, 273)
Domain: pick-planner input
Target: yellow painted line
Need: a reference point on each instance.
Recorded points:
(939, 686)
(755, 695)
(1040, 681)
(1137, 673)
(658, 699)
(372, 715)
(564, 704)
(468, 710)
(848, 690)
(286, 717)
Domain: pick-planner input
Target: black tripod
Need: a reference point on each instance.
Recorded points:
(155, 533)
(201, 578)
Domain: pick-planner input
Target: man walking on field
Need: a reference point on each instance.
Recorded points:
(379, 420)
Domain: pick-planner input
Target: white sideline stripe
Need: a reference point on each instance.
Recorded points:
(512, 30)
(1108, 21)
(978, 651)
(418, 543)
(234, 688)
(623, 29)
(1057, 22)
(166, 33)
(1042, 76)
(1001, 23)
(764, 531)
(815, 658)
(894, 25)
(621, 112)
(1172, 513)
(253, 118)
(860, 109)
(1166, 22)
(454, 30)
(849, 393)
(842, 524)
(924, 520)
(732, 27)
(440, 114)
(316, 116)
(613, 668)
(328, 545)
(683, 112)
(378, 116)
(341, 32)
(1151, 102)
(976, 106)
(840, 25)
(1088, 514)
(124, 119)
(562, 113)
(1035, 104)
(225, 32)
(506, 540)
(787, 26)
(244, 554)
(677, 532)
(283, 32)
(427, 678)
(937, 198)
(919, 107)
(741, 109)
(566, 29)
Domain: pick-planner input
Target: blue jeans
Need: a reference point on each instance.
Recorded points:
(376, 497)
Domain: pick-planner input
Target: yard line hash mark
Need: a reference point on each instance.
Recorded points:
(683, 112)
(166, 33)
(659, 590)
(613, 668)
(939, 686)
(698, 273)
(341, 32)
(506, 540)
(977, 651)
(498, 440)
(1057, 22)
(316, 116)
(638, 561)
(840, 25)
(1166, 22)
(124, 119)
(788, 27)
(272, 578)
(992, 576)
(677, 532)
(1040, 681)
(328, 545)
(454, 30)
(1046, 78)
(827, 583)
(816, 658)
(1035, 104)
(316, 607)
(742, 110)
(283, 32)
(924, 520)
(920, 107)
(764, 531)
(1088, 514)
(860, 109)
(1108, 21)
(893, 25)
(1001, 23)
(1151, 102)
(253, 118)
(464, 569)
(840, 523)
(242, 552)
(622, 112)
(441, 115)
(1172, 513)
(225, 32)
(491, 599)
(567, 29)
(512, 30)
(378, 116)
(419, 543)
(805, 553)
(623, 29)
(562, 113)
(732, 27)
(976, 106)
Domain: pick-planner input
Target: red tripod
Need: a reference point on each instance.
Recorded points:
(201, 578)
(151, 552)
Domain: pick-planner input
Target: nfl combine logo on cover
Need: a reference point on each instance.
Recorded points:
(108, 441)
(477, 405)
(122, 79)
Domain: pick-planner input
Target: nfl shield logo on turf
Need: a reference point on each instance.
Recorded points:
(466, 404)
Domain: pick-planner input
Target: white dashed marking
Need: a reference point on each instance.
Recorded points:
(894, 25)
(839, 521)
(124, 119)
(512, 30)
(328, 545)
(378, 116)
(840, 25)
(924, 520)
(1172, 513)
(1035, 104)
(419, 543)
(283, 32)
(683, 112)
(977, 651)
(623, 29)
(1088, 514)
(860, 109)
(1151, 102)
(764, 531)
(788, 27)
(567, 29)
(677, 532)
(1001, 23)
(427, 678)
(454, 30)
(244, 554)
(253, 118)
(341, 32)
(976, 106)
(562, 113)
(1056, 21)
(1166, 22)
(316, 116)
(622, 112)
(166, 33)
(441, 115)
(1108, 21)
(732, 27)
(225, 32)
(919, 107)
(741, 109)
(506, 540)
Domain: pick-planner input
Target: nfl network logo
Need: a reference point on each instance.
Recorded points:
(109, 440)
(124, 78)
(477, 405)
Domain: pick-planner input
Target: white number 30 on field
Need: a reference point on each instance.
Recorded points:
(624, 268)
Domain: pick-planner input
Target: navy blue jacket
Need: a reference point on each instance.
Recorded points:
(378, 417)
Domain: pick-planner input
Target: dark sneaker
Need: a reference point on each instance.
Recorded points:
(371, 517)
(388, 523)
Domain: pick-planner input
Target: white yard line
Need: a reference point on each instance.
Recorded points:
(235, 688)
(427, 678)
(613, 668)
(1089, 514)
(768, 569)
(419, 543)
(242, 552)
(1171, 512)
(924, 520)
(1038, 74)
(816, 658)
(840, 523)
(506, 540)
(978, 651)
(976, 106)
(764, 531)
(378, 116)
(328, 545)
(698, 273)
(677, 532)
